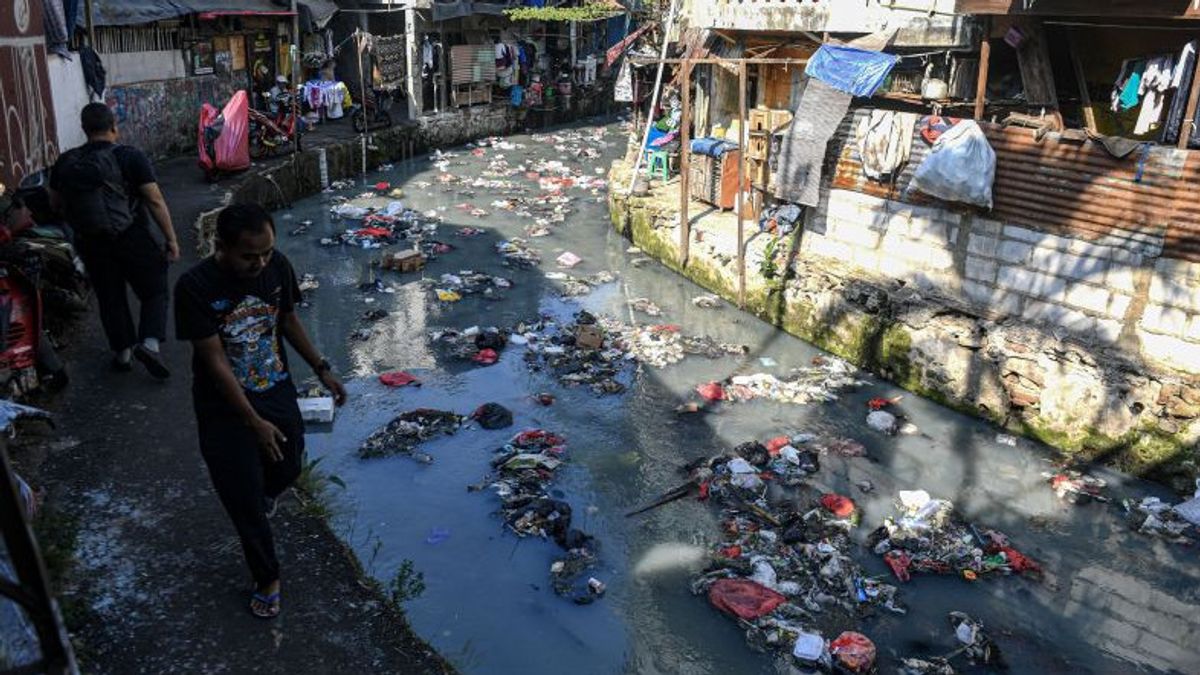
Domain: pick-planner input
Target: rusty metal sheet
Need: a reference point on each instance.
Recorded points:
(1059, 186)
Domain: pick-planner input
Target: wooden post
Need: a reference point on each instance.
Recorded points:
(89, 20)
(985, 54)
(1089, 116)
(1189, 115)
(685, 147)
(741, 169)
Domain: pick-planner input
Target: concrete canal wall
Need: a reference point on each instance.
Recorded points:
(1092, 346)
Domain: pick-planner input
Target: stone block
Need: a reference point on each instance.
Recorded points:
(1121, 277)
(992, 298)
(1063, 264)
(858, 234)
(829, 248)
(1119, 305)
(984, 226)
(1126, 256)
(1108, 330)
(1088, 297)
(981, 269)
(1014, 252)
(1174, 291)
(1193, 329)
(926, 229)
(1178, 269)
(922, 255)
(1091, 249)
(1022, 234)
(866, 259)
(1043, 286)
(894, 266)
(1058, 315)
(982, 244)
(1164, 320)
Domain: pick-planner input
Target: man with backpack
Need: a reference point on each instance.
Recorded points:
(108, 193)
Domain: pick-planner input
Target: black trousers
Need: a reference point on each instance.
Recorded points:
(243, 478)
(134, 260)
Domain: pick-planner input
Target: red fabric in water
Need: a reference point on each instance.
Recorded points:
(743, 598)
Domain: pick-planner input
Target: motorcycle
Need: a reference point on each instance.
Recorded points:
(372, 113)
(28, 360)
(268, 134)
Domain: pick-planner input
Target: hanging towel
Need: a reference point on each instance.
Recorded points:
(1181, 80)
(884, 140)
(802, 154)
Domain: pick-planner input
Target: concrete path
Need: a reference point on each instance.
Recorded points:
(159, 584)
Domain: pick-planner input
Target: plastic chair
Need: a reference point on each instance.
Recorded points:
(657, 161)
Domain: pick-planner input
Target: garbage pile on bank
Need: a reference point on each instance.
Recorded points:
(816, 383)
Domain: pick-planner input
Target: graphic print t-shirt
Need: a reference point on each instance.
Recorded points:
(245, 314)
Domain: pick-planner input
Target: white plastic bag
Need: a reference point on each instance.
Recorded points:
(960, 167)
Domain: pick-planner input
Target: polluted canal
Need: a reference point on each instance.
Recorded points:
(763, 548)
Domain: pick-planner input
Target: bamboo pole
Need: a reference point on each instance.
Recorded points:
(985, 54)
(637, 163)
(685, 143)
(741, 168)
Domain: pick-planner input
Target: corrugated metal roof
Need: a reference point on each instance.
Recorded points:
(1060, 187)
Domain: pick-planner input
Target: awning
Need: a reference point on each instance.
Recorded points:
(132, 12)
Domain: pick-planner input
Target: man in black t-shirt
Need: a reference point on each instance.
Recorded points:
(132, 257)
(236, 307)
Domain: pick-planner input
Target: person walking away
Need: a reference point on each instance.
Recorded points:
(236, 307)
(109, 194)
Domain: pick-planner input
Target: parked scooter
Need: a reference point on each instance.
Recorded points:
(270, 134)
(27, 357)
(372, 113)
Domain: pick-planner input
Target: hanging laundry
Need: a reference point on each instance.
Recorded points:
(1125, 93)
(884, 141)
(1181, 81)
(1156, 81)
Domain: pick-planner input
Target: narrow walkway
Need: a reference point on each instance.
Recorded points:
(160, 585)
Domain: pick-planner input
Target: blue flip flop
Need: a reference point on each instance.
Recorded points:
(271, 601)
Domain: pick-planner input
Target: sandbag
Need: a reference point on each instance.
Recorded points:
(960, 167)
(743, 598)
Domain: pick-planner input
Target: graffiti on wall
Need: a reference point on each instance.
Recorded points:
(161, 117)
(27, 131)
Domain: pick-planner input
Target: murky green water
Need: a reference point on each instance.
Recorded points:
(488, 606)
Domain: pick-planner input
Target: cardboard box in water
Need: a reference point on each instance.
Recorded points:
(589, 337)
(404, 261)
(317, 410)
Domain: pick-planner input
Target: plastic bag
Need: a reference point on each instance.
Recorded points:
(233, 145)
(743, 598)
(854, 651)
(960, 167)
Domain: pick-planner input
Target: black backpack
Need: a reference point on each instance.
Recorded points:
(96, 203)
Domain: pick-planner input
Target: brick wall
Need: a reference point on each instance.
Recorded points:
(1112, 290)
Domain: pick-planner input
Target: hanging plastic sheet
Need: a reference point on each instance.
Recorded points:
(802, 156)
(855, 71)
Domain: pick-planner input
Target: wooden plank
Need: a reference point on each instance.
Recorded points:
(741, 168)
(1189, 115)
(985, 55)
(1033, 58)
(685, 147)
(1091, 8)
(1089, 115)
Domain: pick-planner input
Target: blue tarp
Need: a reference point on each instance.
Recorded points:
(854, 71)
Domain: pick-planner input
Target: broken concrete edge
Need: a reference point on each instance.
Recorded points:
(1143, 419)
